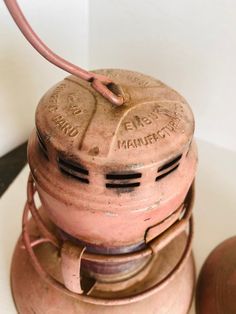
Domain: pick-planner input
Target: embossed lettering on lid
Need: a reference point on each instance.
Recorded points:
(151, 119)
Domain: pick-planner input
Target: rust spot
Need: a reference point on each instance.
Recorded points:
(94, 151)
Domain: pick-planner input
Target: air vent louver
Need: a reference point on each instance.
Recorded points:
(122, 180)
(166, 173)
(73, 170)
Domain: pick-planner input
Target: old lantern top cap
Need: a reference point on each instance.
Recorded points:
(153, 123)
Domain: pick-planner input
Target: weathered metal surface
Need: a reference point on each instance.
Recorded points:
(33, 294)
(103, 267)
(71, 256)
(116, 189)
(80, 124)
(216, 290)
(112, 173)
(113, 160)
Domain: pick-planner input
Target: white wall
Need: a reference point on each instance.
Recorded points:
(24, 75)
(190, 45)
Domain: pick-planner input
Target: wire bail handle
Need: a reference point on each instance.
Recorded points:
(102, 84)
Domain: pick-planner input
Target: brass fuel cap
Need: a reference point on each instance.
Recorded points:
(216, 289)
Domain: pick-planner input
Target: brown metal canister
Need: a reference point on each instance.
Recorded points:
(114, 230)
(112, 160)
(108, 175)
(216, 288)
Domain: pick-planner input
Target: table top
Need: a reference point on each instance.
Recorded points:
(214, 212)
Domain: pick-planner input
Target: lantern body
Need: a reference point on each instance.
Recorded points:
(113, 233)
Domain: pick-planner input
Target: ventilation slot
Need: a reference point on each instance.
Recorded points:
(42, 144)
(170, 163)
(122, 180)
(73, 170)
(83, 180)
(166, 173)
(122, 185)
(123, 176)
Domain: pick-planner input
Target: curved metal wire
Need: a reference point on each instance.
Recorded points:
(100, 83)
(86, 255)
